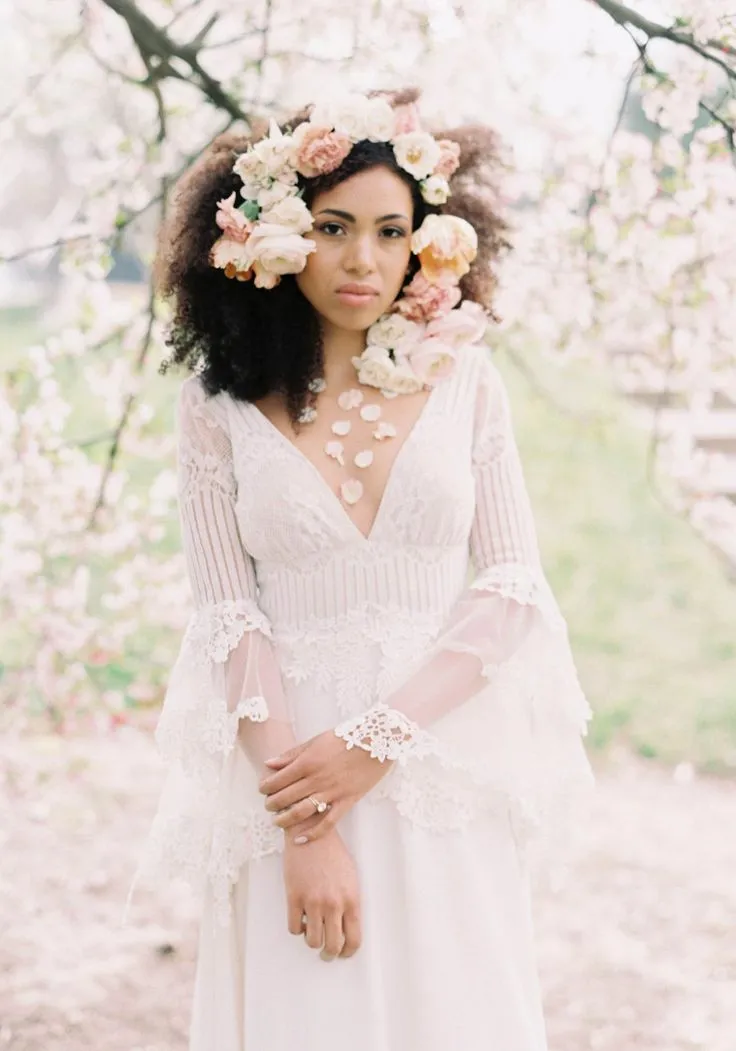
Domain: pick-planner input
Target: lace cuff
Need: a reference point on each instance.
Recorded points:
(386, 733)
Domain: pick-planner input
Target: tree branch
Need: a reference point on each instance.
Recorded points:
(626, 16)
(156, 47)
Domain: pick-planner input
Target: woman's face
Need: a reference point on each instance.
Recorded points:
(363, 233)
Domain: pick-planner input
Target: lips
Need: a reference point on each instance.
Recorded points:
(357, 290)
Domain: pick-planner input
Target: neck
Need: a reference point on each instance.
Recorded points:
(340, 346)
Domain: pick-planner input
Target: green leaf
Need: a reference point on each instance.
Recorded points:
(250, 209)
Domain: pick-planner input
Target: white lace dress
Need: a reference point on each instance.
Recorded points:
(304, 624)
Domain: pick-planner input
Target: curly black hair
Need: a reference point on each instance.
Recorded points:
(253, 342)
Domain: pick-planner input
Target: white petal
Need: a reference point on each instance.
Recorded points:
(351, 491)
(341, 427)
(364, 458)
(335, 450)
(370, 412)
(384, 430)
(350, 399)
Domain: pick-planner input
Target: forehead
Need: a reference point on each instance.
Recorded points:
(370, 193)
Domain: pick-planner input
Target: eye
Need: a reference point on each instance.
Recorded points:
(393, 232)
(330, 228)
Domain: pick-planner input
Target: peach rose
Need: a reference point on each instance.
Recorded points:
(423, 301)
(433, 361)
(406, 119)
(319, 150)
(449, 160)
(231, 220)
(446, 246)
(231, 256)
(465, 325)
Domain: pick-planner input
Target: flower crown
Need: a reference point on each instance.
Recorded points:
(263, 237)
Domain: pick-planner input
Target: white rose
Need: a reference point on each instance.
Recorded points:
(380, 121)
(351, 116)
(394, 332)
(435, 189)
(291, 212)
(264, 278)
(278, 249)
(417, 153)
(249, 168)
(376, 369)
(323, 115)
(272, 195)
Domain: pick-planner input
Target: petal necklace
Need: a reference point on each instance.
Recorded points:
(351, 490)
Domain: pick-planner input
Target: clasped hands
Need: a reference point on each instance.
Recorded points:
(323, 768)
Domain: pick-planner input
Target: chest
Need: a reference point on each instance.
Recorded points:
(417, 484)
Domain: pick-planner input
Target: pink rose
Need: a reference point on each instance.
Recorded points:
(465, 325)
(449, 160)
(407, 119)
(318, 150)
(231, 221)
(433, 361)
(423, 301)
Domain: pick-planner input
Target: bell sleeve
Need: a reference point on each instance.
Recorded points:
(224, 711)
(493, 713)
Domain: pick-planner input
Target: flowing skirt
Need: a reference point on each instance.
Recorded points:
(447, 958)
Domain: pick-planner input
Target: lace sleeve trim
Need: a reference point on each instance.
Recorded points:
(525, 585)
(386, 733)
(196, 729)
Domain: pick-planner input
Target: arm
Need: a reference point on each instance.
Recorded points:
(225, 709)
(506, 605)
(491, 716)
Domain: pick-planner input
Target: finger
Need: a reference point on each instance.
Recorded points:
(314, 933)
(279, 761)
(316, 827)
(297, 814)
(294, 917)
(289, 796)
(334, 937)
(281, 779)
(352, 932)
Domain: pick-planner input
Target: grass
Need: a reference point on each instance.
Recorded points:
(650, 609)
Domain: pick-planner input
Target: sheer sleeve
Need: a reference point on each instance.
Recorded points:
(225, 711)
(493, 712)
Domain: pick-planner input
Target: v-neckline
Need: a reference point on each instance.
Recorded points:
(368, 537)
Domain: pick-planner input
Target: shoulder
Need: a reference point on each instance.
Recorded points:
(482, 379)
(195, 403)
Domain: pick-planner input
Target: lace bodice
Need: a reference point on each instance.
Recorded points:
(303, 623)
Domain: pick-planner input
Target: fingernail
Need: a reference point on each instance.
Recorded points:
(301, 839)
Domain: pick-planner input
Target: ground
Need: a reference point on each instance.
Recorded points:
(634, 911)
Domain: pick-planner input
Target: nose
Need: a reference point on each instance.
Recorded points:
(360, 256)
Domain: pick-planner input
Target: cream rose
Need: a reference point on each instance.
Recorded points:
(376, 369)
(291, 212)
(417, 153)
(278, 249)
(394, 332)
(446, 246)
(435, 189)
(265, 278)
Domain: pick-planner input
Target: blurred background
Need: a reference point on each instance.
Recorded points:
(618, 310)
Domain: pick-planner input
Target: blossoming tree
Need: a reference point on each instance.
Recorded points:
(623, 243)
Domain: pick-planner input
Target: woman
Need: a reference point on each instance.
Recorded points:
(361, 742)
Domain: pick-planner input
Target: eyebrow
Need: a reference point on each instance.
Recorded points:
(351, 218)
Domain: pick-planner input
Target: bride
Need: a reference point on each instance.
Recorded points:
(374, 710)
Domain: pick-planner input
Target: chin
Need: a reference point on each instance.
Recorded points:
(356, 320)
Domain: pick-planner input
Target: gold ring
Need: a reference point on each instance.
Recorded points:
(319, 805)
